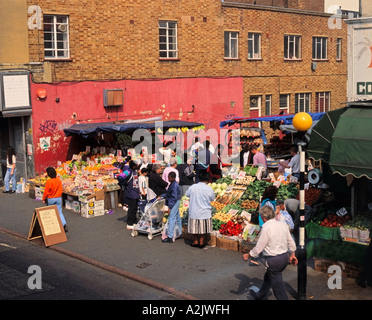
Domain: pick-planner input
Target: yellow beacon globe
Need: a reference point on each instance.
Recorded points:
(302, 121)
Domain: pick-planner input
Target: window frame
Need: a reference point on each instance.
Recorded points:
(318, 56)
(252, 44)
(170, 54)
(228, 46)
(339, 49)
(303, 96)
(268, 104)
(286, 108)
(297, 46)
(54, 38)
(326, 96)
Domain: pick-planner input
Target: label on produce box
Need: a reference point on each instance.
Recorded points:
(341, 212)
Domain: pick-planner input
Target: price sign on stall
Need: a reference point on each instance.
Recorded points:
(341, 212)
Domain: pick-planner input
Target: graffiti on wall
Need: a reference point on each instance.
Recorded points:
(48, 126)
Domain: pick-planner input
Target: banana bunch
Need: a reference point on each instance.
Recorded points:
(222, 216)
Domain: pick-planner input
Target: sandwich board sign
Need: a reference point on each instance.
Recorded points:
(46, 223)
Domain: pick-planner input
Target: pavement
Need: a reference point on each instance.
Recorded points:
(187, 273)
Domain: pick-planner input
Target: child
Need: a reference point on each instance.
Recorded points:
(53, 193)
(172, 200)
(143, 183)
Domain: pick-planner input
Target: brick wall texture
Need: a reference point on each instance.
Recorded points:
(119, 39)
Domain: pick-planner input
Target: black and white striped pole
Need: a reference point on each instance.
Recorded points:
(302, 122)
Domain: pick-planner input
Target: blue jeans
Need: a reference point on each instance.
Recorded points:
(174, 217)
(8, 177)
(58, 203)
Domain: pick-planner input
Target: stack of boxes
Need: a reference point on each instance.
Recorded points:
(88, 205)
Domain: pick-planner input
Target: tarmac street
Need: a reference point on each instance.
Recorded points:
(185, 272)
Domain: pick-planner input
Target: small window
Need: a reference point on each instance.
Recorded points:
(56, 37)
(302, 102)
(231, 45)
(268, 105)
(168, 47)
(284, 103)
(254, 45)
(292, 47)
(339, 49)
(319, 48)
(322, 101)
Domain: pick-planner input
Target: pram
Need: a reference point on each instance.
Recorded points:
(151, 220)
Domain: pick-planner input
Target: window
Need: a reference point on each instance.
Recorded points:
(231, 45)
(268, 105)
(284, 103)
(56, 37)
(302, 102)
(319, 48)
(254, 45)
(339, 49)
(322, 102)
(168, 40)
(292, 47)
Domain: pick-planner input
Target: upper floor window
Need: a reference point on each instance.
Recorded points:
(56, 37)
(339, 49)
(231, 44)
(168, 47)
(284, 103)
(254, 45)
(292, 47)
(320, 48)
(322, 101)
(302, 102)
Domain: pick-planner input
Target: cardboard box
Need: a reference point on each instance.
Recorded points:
(99, 212)
(68, 204)
(227, 244)
(87, 213)
(76, 206)
(99, 205)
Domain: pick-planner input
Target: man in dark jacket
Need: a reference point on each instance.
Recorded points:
(156, 183)
(186, 174)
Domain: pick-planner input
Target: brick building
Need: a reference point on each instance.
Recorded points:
(195, 60)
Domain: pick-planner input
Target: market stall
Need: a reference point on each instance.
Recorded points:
(339, 145)
(89, 179)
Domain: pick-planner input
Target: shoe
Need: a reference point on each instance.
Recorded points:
(6, 191)
(195, 245)
(167, 239)
(201, 246)
(65, 228)
(12, 191)
(255, 295)
(130, 227)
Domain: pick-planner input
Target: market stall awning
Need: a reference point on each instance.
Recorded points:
(87, 130)
(321, 135)
(286, 118)
(351, 145)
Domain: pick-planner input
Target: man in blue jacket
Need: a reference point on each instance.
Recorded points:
(172, 200)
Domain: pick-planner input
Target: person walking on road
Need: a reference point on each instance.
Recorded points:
(10, 174)
(53, 193)
(200, 210)
(277, 247)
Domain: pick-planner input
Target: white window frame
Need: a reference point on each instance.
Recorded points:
(339, 49)
(56, 34)
(320, 48)
(292, 45)
(268, 104)
(231, 42)
(286, 108)
(323, 101)
(305, 100)
(254, 46)
(168, 40)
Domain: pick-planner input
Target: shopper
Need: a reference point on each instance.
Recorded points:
(166, 152)
(156, 183)
(200, 210)
(204, 160)
(53, 193)
(11, 170)
(143, 183)
(283, 215)
(259, 159)
(269, 199)
(172, 200)
(131, 193)
(171, 168)
(186, 174)
(277, 248)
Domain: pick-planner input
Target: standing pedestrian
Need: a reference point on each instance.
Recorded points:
(186, 174)
(277, 247)
(171, 168)
(132, 193)
(10, 174)
(156, 183)
(200, 210)
(53, 193)
(172, 200)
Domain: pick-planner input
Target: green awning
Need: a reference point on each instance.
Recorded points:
(351, 143)
(321, 135)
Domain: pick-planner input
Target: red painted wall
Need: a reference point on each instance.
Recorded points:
(83, 102)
